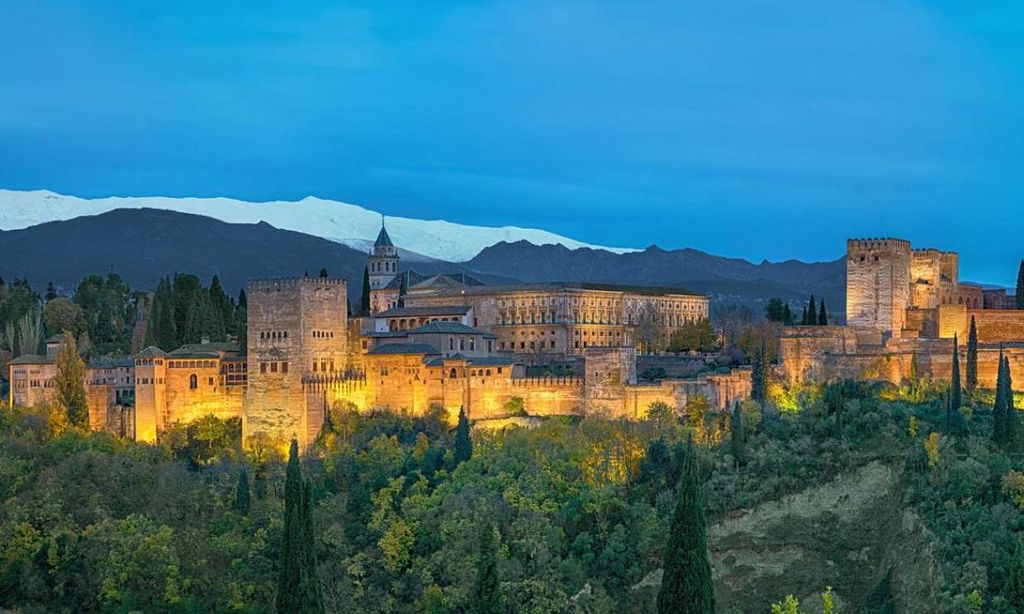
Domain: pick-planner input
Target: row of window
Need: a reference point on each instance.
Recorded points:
(273, 367)
(323, 334)
(273, 334)
(192, 364)
(324, 365)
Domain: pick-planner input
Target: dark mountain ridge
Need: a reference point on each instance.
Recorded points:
(725, 279)
(144, 245)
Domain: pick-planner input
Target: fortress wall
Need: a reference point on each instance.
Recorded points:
(997, 325)
(801, 349)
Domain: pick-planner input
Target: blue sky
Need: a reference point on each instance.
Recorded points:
(758, 129)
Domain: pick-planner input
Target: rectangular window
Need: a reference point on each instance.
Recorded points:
(284, 367)
(263, 367)
(273, 367)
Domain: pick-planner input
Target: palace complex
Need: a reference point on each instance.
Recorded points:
(903, 306)
(441, 340)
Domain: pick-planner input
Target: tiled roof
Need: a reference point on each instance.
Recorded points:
(31, 359)
(403, 348)
(211, 347)
(402, 312)
(449, 328)
(111, 363)
(151, 352)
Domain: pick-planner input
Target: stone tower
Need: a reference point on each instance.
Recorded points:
(384, 260)
(298, 330)
(878, 284)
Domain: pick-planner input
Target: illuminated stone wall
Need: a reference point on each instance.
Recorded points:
(296, 328)
(802, 348)
(878, 284)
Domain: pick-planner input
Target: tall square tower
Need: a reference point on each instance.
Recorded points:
(297, 329)
(878, 284)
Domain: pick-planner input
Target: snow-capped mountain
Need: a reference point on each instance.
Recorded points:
(342, 222)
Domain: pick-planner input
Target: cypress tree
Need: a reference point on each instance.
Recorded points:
(463, 447)
(998, 421)
(1020, 285)
(787, 314)
(758, 381)
(323, 272)
(822, 315)
(812, 311)
(947, 401)
(686, 583)
(738, 441)
(972, 357)
(242, 493)
(1015, 585)
(803, 316)
(365, 303)
(955, 391)
(487, 586)
(312, 589)
(51, 292)
(1009, 411)
(296, 590)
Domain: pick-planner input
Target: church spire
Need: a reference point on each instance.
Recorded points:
(383, 240)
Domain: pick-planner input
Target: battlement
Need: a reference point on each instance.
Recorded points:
(294, 282)
(542, 381)
(878, 243)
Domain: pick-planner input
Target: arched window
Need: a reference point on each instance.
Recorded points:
(453, 374)
(193, 381)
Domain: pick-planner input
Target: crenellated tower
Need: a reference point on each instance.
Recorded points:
(878, 284)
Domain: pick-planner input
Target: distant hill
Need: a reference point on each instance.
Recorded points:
(724, 279)
(143, 245)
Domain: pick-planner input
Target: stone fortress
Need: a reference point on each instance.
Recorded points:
(902, 305)
(442, 340)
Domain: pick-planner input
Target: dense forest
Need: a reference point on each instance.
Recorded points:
(107, 317)
(412, 514)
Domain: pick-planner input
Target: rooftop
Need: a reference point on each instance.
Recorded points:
(404, 312)
(403, 348)
(31, 359)
(450, 328)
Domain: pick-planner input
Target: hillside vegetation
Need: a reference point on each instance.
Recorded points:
(851, 488)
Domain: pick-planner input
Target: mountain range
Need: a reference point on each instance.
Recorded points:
(143, 245)
(344, 223)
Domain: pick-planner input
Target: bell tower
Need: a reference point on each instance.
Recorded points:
(383, 263)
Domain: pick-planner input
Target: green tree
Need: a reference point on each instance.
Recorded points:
(297, 589)
(1009, 411)
(364, 303)
(1020, 285)
(686, 583)
(1015, 584)
(242, 497)
(758, 376)
(69, 383)
(811, 317)
(696, 336)
(323, 272)
(999, 406)
(775, 310)
(462, 449)
(241, 321)
(739, 437)
(221, 304)
(955, 391)
(486, 598)
(60, 315)
(972, 357)
(822, 314)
